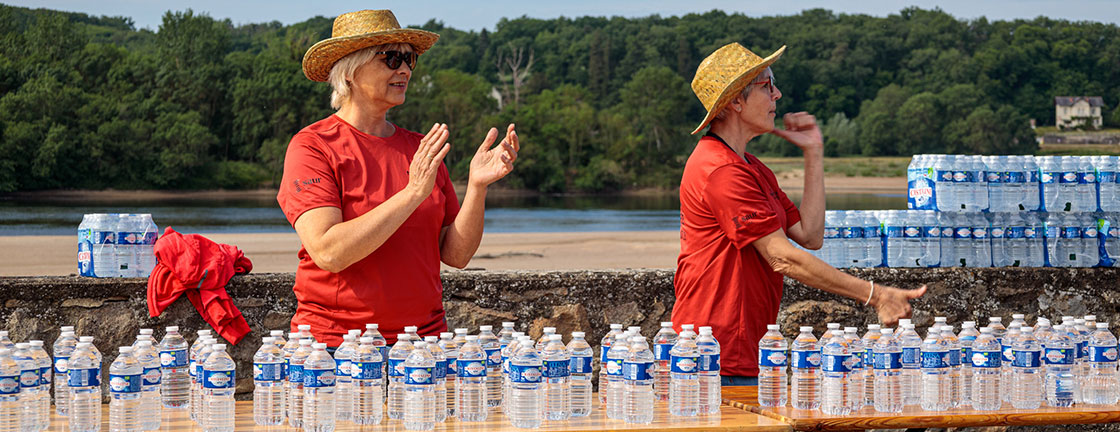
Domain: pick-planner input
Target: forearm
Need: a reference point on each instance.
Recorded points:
(346, 243)
(465, 233)
(811, 271)
(812, 199)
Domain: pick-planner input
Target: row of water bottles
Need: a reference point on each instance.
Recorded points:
(116, 245)
(1023, 367)
(907, 238)
(958, 183)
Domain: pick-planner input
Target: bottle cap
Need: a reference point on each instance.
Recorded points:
(460, 331)
(849, 329)
(549, 330)
(403, 336)
(873, 326)
(705, 331)
(204, 332)
(616, 326)
(304, 327)
(666, 324)
(1026, 329)
(36, 343)
(366, 340)
(1102, 325)
(688, 326)
(123, 350)
(371, 326)
(276, 333)
(995, 319)
(305, 342)
(939, 319)
(430, 339)
(1018, 316)
(484, 328)
(833, 326)
(773, 327)
(172, 329)
(86, 339)
(887, 331)
(410, 329)
(578, 334)
(985, 330)
(472, 338)
(555, 337)
(446, 335)
(145, 331)
(268, 340)
(222, 347)
(348, 337)
(66, 329)
(317, 346)
(804, 329)
(355, 332)
(1090, 317)
(507, 324)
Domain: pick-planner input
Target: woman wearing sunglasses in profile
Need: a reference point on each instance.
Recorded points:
(373, 203)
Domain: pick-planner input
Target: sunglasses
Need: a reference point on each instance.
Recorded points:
(393, 59)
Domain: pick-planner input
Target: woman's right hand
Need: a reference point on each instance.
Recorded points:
(426, 162)
(893, 304)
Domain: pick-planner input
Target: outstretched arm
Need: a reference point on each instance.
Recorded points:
(490, 163)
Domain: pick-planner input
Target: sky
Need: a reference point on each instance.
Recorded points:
(476, 15)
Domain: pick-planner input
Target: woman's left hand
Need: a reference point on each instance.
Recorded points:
(801, 130)
(490, 163)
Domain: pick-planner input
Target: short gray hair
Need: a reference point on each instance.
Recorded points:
(762, 76)
(343, 70)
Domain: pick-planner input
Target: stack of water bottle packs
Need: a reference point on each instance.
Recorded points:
(116, 245)
(995, 367)
(988, 211)
(419, 382)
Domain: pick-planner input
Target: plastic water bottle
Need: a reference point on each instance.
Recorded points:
(471, 400)
(805, 386)
(604, 350)
(1027, 371)
(953, 347)
(219, 382)
(967, 338)
(295, 390)
(29, 388)
(381, 344)
(451, 352)
(911, 345)
(366, 369)
(555, 381)
(63, 348)
(9, 392)
(128, 241)
(638, 396)
(84, 381)
(708, 348)
(397, 356)
(103, 245)
(145, 254)
(198, 385)
(857, 377)
(1061, 383)
(42, 361)
(772, 360)
(986, 359)
(505, 335)
(268, 381)
(935, 373)
(888, 373)
(319, 403)
(579, 370)
(620, 348)
(1089, 256)
(836, 363)
(1084, 339)
(151, 408)
(173, 361)
(439, 377)
(868, 341)
(684, 380)
(663, 342)
(1100, 380)
(343, 386)
(525, 396)
(506, 354)
(1108, 180)
(195, 372)
(419, 389)
(490, 344)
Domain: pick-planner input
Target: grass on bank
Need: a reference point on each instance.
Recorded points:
(855, 166)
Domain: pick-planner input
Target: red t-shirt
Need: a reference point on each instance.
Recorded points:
(332, 164)
(721, 280)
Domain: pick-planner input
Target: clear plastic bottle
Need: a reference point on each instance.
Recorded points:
(545, 334)
(295, 391)
(888, 373)
(873, 334)
(604, 350)
(268, 381)
(493, 348)
(805, 386)
(397, 356)
(579, 370)
(1084, 338)
(772, 360)
(856, 379)
(145, 334)
(174, 362)
(382, 345)
(439, 377)
(319, 402)
(219, 382)
(451, 352)
(197, 384)
(935, 373)
(471, 400)
(663, 342)
(1100, 381)
(151, 408)
(525, 395)
(9, 392)
(638, 396)
(505, 335)
(955, 378)
(1060, 353)
(555, 380)
(343, 386)
(1027, 371)
(986, 358)
(28, 388)
(708, 348)
(836, 363)
(619, 349)
(506, 354)
(42, 362)
(684, 382)
(1008, 358)
(366, 369)
(911, 344)
(63, 348)
(305, 330)
(84, 381)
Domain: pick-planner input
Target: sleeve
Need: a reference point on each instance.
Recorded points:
(450, 200)
(739, 205)
(309, 178)
(793, 214)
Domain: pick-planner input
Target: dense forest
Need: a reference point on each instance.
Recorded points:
(600, 103)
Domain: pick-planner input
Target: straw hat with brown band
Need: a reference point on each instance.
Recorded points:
(724, 74)
(362, 29)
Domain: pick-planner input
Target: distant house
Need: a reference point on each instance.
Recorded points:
(1074, 111)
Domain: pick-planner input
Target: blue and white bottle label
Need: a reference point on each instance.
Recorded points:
(9, 385)
(1028, 359)
(603, 354)
(419, 375)
(440, 372)
(61, 364)
(911, 356)
(365, 370)
(1060, 356)
(857, 360)
(173, 358)
(124, 383)
(523, 374)
(954, 358)
(472, 368)
(318, 378)
(267, 372)
(614, 367)
(772, 358)
(493, 357)
(636, 371)
(709, 362)
(986, 359)
(45, 375)
(1008, 353)
(153, 376)
(966, 353)
(29, 378)
(556, 368)
(580, 365)
(935, 359)
(1102, 354)
(295, 373)
(396, 368)
(806, 359)
(452, 368)
(684, 364)
(661, 351)
(888, 360)
(218, 379)
(1082, 349)
(836, 363)
(342, 369)
(82, 377)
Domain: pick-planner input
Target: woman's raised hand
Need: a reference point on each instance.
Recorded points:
(492, 162)
(801, 130)
(427, 160)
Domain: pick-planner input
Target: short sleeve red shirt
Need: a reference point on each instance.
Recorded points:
(728, 202)
(332, 164)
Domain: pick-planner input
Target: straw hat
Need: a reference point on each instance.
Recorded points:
(724, 74)
(362, 29)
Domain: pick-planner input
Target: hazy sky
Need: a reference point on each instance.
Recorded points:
(474, 15)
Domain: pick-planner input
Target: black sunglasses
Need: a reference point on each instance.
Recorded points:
(393, 59)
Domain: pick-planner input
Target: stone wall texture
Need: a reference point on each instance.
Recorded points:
(113, 310)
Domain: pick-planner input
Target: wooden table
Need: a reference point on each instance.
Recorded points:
(729, 419)
(746, 398)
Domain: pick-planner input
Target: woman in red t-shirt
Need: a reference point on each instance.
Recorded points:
(736, 223)
(372, 203)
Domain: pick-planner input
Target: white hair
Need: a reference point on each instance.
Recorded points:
(343, 70)
(743, 94)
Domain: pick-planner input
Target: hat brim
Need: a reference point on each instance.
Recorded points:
(319, 59)
(737, 85)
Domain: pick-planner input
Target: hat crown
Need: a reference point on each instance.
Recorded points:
(363, 22)
(718, 70)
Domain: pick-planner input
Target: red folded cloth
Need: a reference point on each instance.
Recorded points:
(201, 268)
